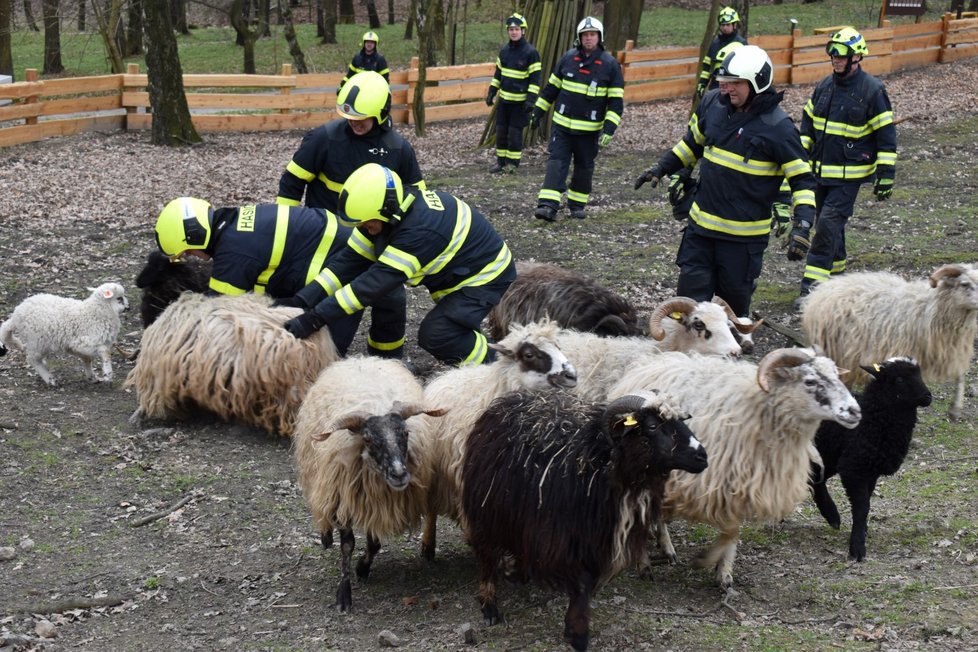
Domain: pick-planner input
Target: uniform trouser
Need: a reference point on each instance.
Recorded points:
(714, 266)
(388, 316)
(451, 332)
(511, 119)
(827, 254)
(564, 146)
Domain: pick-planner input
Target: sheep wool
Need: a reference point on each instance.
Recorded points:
(46, 324)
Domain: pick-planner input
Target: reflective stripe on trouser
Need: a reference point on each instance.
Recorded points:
(827, 254)
(510, 121)
(715, 266)
(388, 316)
(565, 146)
(450, 332)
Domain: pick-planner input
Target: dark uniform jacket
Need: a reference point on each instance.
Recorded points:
(271, 249)
(440, 243)
(362, 61)
(330, 153)
(848, 130)
(586, 91)
(709, 64)
(517, 72)
(745, 155)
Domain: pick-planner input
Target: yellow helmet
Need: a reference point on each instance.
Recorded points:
(365, 95)
(370, 36)
(728, 15)
(846, 42)
(516, 20)
(725, 52)
(372, 192)
(185, 223)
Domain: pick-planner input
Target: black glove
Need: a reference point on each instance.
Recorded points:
(528, 106)
(535, 118)
(701, 88)
(780, 218)
(798, 241)
(491, 95)
(883, 188)
(289, 302)
(305, 324)
(652, 175)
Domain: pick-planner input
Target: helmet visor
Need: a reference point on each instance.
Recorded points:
(838, 50)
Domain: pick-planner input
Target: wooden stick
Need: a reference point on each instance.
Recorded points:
(163, 513)
(74, 603)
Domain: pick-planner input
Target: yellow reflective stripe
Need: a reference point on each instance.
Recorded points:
(807, 142)
(838, 266)
(385, 346)
(613, 118)
(886, 158)
(684, 153)
(385, 71)
(400, 260)
(486, 274)
(733, 227)
(328, 281)
(614, 91)
(555, 80)
(420, 185)
(577, 125)
(319, 257)
(845, 171)
(841, 128)
(494, 83)
(285, 201)
(513, 73)
(794, 168)
(694, 128)
(533, 88)
(300, 171)
(463, 222)
(803, 198)
(881, 120)
(224, 287)
(332, 185)
(362, 245)
(347, 300)
(734, 161)
(590, 91)
(278, 246)
(579, 197)
(479, 351)
(552, 195)
(512, 97)
(816, 273)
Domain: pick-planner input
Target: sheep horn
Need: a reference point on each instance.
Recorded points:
(778, 359)
(408, 410)
(944, 271)
(352, 422)
(741, 327)
(684, 305)
(612, 324)
(629, 403)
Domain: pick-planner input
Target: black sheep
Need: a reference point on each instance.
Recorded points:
(568, 490)
(163, 281)
(875, 448)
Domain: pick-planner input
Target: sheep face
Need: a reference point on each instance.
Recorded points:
(113, 294)
(901, 381)
(654, 442)
(963, 286)
(828, 398)
(694, 327)
(542, 364)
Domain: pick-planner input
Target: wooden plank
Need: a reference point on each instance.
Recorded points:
(238, 81)
(914, 29)
(924, 42)
(70, 85)
(452, 112)
(454, 73)
(21, 90)
(21, 110)
(772, 41)
(662, 90)
(961, 38)
(954, 54)
(962, 23)
(808, 74)
(49, 128)
(319, 80)
(632, 57)
(661, 71)
(452, 92)
(83, 104)
(916, 59)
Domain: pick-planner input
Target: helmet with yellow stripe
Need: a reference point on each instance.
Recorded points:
(184, 223)
(365, 95)
(372, 192)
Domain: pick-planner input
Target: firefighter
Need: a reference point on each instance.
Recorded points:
(587, 90)
(368, 58)
(728, 20)
(330, 153)
(517, 80)
(848, 130)
(418, 237)
(746, 144)
(266, 249)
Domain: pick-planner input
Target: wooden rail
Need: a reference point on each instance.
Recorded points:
(59, 107)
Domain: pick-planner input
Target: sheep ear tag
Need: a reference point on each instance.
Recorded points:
(629, 421)
(675, 314)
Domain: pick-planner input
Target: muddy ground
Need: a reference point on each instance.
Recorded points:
(238, 565)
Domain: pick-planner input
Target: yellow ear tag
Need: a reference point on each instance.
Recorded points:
(630, 420)
(876, 367)
(676, 315)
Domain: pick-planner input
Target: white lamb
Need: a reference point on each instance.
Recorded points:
(44, 324)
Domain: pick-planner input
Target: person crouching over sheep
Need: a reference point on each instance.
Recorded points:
(274, 250)
(418, 237)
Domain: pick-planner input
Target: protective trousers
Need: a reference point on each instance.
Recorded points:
(725, 268)
(388, 318)
(511, 119)
(827, 255)
(564, 146)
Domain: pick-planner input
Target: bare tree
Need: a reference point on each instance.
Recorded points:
(409, 23)
(390, 12)
(178, 16)
(347, 14)
(298, 58)
(247, 36)
(621, 20)
(426, 9)
(29, 16)
(108, 29)
(373, 18)
(134, 30)
(329, 22)
(6, 52)
(52, 37)
(172, 125)
(81, 15)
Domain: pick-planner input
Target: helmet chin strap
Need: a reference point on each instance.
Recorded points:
(845, 71)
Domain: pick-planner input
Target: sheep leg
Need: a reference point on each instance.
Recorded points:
(367, 558)
(428, 535)
(36, 360)
(721, 556)
(326, 538)
(577, 620)
(859, 490)
(487, 586)
(957, 407)
(825, 504)
(106, 359)
(665, 541)
(344, 593)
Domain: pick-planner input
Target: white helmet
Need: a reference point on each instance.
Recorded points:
(591, 24)
(749, 63)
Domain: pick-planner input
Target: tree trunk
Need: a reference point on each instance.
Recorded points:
(390, 12)
(265, 11)
(409, 24)
(172, 125)
(6, 52)
(134, 32)
(178, 16)
(347, 14)
(81, 15)
(621, 20)
(373, 18)
(298, 58)
(329, 22)
(108, 29)
(247, 37)
(52, 37)
(424, 19)
(708, 35)
(320, 27)
(29, 16)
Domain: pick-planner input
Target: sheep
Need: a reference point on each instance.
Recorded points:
(369, 472)
(44, 324)
(544, 290)
(162, 281)
(528, 359)
(758, 422)
(861, 317)
(677, 324)
(877, 447)
(569, 489)
(229, 355)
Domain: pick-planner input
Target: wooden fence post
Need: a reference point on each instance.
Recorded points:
(30, 75)
(131, 69)
(795, 33)
(285, 90)
(412, 83)
(945, 28)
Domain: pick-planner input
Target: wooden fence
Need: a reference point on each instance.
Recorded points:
(37, 109)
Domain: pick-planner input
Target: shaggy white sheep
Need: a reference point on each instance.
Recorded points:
(229, 355)
(44, 324)
(359, 465)
(863, 317)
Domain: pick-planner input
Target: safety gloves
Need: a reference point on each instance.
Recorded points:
(799, 241)
(535, 118)
(491, 95)
(780, 218)
(305, 324)
(700, 89)
(883, 188)
(604, 140)
(652, 175)
(528, 105)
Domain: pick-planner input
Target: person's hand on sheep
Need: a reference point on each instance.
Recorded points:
(289, 302)
(305, 324)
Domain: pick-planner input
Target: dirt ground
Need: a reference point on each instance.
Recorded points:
(238, 566)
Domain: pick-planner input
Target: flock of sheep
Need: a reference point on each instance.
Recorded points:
(586, 412)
